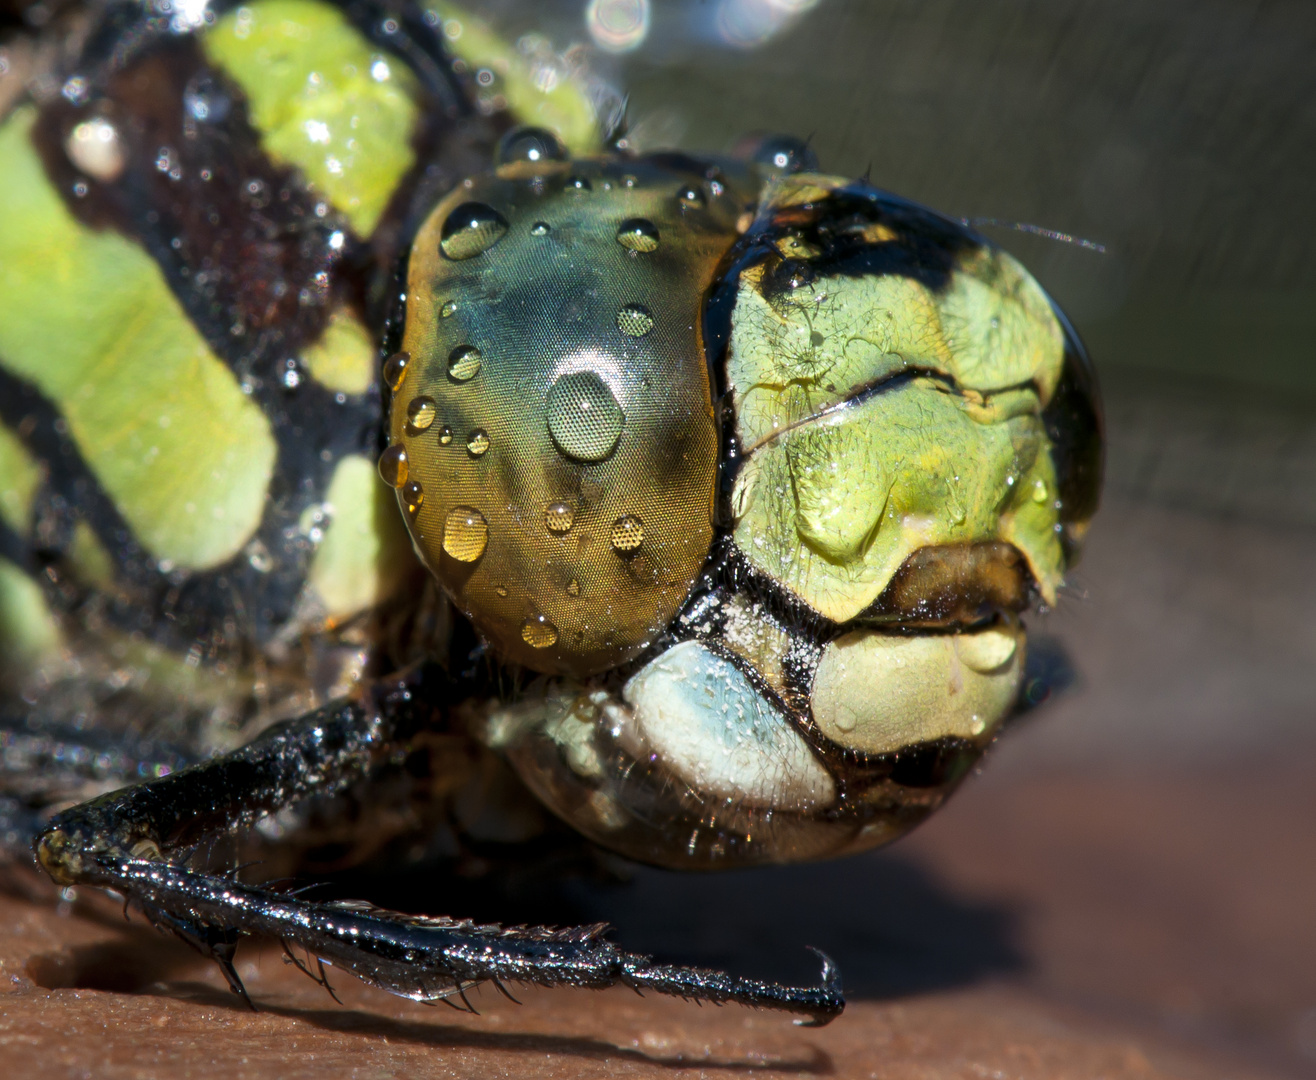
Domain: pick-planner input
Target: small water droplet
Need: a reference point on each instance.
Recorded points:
(445, 435)
(464, 363)
(1040, 493)
(627, 534)
(393, 465)
(540, 228)
(584, 418)
(95, 148)
(578, 184)
(413, 495)
(538, 632)
(501, 590)
(395, 367)
(465, 533)
(478, 442)
(470, 229)
(448, 310)
(634, 320)
(573, 587)
(691, 198)
(638, 234)
(420, 414)
(559, 517)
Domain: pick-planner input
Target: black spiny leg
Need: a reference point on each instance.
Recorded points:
(123, 841)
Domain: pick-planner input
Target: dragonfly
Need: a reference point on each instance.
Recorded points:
(390, 448)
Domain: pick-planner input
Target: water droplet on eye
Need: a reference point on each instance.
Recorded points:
(584, 418)
(420, 414)
(501, 590)
(478, 442)
(529, 144)
(638, 234)
(470, 229)
(464, 363)
(627, 534)
(413, 495)
(395, 367)
(578, 184)
(445, 435)
(559, 517)
(538, 632)
(465, 533)
(573, 587)
(448, 310)
(540, 228)
(393, 465)
(634, 320)
(691, 198)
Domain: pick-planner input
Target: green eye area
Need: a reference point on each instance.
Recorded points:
(803, 606)
(553, 315)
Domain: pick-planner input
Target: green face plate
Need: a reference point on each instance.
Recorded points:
(879, 416)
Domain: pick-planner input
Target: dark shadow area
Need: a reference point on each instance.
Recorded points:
(890, 925)
(133, 963)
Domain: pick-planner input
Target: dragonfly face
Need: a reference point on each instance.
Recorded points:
(739, 477)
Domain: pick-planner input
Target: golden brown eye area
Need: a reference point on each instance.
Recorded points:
(568, 496)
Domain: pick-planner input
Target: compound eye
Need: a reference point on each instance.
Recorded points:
(555, 415)
(777, 155)
(532, 145)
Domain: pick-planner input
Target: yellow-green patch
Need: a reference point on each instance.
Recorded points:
(536, 85)
(343, 359)
(29, 633)
(324, 99)
(91, 563)
(831, 508)
(366, 551)
(801, 352)
(19, 477)
(162, 423)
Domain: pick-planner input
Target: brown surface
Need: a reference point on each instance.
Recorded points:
(1143, 928)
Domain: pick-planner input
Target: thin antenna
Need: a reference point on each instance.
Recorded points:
(1036, 230)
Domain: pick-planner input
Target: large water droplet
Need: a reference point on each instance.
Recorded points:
(448, 310)
(445, 435)
(691, 198)
(584, 418)
(477, 444)
(638, 234)
(463, 363)
(413, 495)
(420, 414)
(627, 534)
(559, 517)
(529, 144)
(634, 320)
(538, 632)
(395, 367)
(393, 465)
(470, 229)
(465, 533)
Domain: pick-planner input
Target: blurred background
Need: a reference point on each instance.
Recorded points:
(1143, 847)
(1141, 850)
